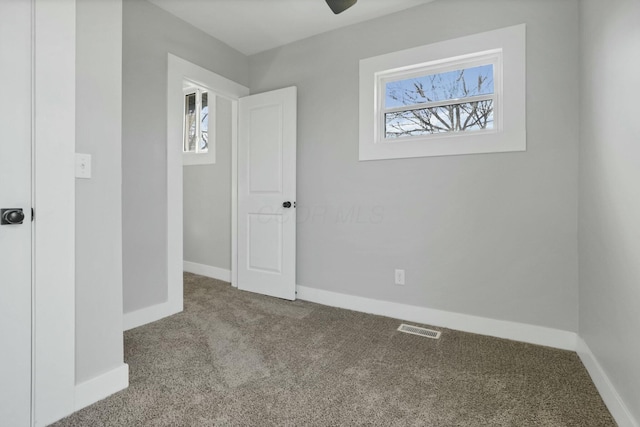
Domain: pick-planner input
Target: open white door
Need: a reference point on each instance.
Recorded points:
(15, 213)
(267, 193)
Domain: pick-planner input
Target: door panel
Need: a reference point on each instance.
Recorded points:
(15, 192)
(265, 243)
(266, 180)
(265, 149)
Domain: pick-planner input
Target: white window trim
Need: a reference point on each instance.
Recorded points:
(197, 157)
(509, 133)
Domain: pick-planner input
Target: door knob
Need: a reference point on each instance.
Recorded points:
(11, 216)
(286, 205)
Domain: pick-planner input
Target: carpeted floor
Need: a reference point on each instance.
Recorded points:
(238, 359)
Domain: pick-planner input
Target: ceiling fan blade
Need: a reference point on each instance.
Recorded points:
(339, 6)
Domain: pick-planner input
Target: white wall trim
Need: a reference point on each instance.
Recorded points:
(208, 271)
(102, 386)
(150, 314)
(532, 334)
(608, 392)
(234, 193)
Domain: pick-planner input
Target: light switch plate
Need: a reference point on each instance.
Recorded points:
(83, 165)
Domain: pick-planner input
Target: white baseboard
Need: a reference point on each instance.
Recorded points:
(149, 314)
(609, 394)
(207, 271)
(102, 386)
(462, 322)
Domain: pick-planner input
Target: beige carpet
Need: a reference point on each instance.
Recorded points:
(237, 359)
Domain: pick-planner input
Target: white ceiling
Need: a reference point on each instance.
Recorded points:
(253, 26)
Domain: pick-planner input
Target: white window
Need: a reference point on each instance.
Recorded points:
(198, 143)
(460, 96)
(457, 96)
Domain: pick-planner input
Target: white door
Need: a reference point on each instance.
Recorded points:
(15, 195)
(267, 193)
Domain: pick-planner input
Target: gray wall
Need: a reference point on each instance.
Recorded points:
(149, 33)
(490, 235)
(610, 192)
(98, 200)
(207, 200)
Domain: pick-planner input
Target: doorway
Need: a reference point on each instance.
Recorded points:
(262, 134)
(208, 131)
(181, 74)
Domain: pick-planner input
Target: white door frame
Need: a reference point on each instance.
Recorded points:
(53, 192)
(180, 70)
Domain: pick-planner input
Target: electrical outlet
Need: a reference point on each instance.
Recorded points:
(399, 277)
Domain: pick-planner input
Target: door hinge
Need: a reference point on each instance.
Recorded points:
(33, 214)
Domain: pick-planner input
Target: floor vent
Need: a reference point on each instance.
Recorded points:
(423, 332)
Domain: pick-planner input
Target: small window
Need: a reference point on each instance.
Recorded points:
(439, 100)
(460, 96)
(197, 145)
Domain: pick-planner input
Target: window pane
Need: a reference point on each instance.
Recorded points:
(464, 117)
(190, 137)
(456, 84)
(204, 124)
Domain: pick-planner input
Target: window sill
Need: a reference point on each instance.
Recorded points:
(192, 159)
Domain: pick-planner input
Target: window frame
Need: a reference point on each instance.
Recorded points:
(504, 48)
(492, 57)
(190, 158)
